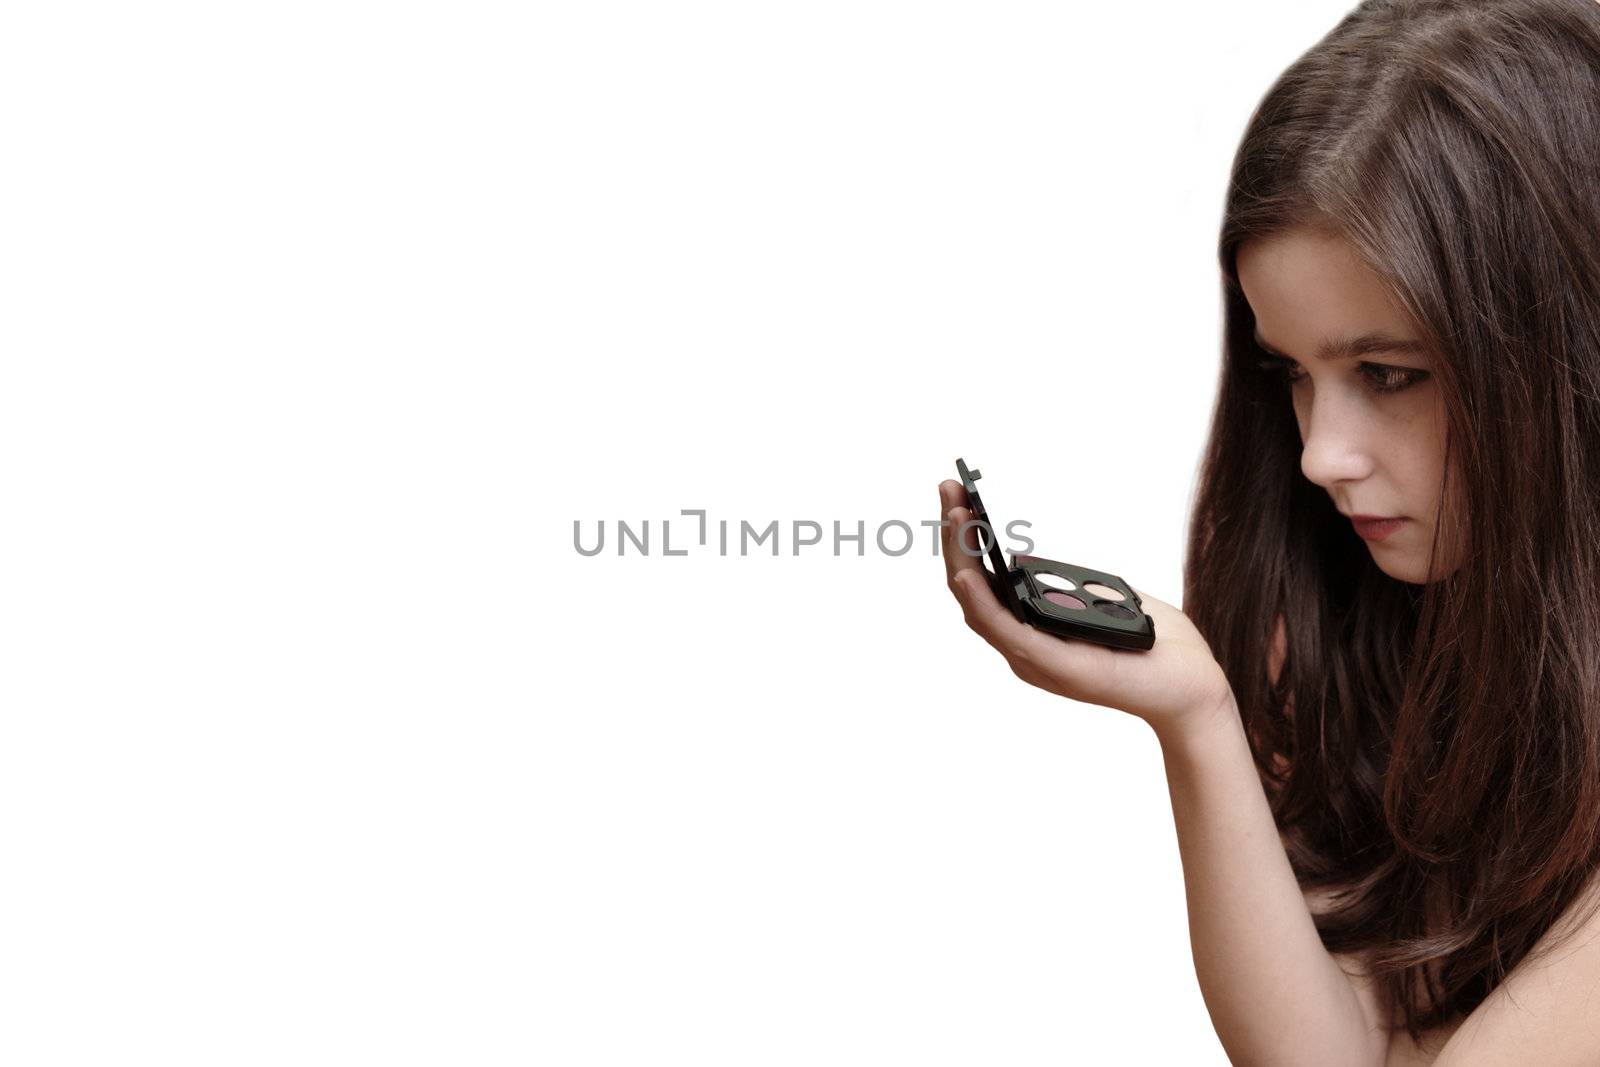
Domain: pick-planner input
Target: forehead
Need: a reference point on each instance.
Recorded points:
(1305, 284)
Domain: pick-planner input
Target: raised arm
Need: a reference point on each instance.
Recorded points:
(1275, 994)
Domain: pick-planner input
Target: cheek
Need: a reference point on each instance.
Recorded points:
(1425, 474)
(1422, 434)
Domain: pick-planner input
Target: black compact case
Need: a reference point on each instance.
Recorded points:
(1061, 598)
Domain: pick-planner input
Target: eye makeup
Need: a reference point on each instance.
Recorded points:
(1381, 378)
(1060, 598)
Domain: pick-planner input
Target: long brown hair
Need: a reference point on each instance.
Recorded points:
(1431, 750)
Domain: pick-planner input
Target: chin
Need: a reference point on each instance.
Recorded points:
(1411, 575)
(1413, 571)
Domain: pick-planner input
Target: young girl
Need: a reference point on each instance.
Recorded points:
(1382, 738)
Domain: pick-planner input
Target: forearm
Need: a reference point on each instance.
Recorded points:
(1275, 994)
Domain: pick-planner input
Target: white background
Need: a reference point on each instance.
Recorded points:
(324, 322)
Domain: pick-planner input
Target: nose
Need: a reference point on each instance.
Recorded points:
(1336, 441)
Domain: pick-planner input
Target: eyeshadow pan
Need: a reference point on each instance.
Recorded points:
(1065, 600)
(1053, 581)
(1116, 611)
(1103, 590)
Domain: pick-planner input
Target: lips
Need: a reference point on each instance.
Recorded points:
(1375, 528)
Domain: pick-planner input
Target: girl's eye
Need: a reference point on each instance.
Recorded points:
(1381, 378)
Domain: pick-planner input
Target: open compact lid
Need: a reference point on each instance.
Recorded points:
(969, 480)
(1002, 583)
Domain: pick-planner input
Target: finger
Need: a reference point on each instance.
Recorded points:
(1022, 646)
(979, 602)
(952, 494)
(957, 558)
(982, 608)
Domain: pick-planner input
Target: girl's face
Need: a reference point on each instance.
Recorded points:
(1372, 422)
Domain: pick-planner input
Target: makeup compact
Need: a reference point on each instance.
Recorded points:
(1061, 598)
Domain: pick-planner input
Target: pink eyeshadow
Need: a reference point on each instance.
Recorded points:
(1064, 599)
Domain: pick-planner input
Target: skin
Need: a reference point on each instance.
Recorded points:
(1257, 953)
(1372, 452)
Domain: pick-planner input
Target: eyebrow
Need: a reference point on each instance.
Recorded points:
(1361, 344)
